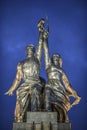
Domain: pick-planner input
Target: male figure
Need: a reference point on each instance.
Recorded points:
(58, 88)
(28, 95)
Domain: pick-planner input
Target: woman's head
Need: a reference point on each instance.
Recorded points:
(57, 60)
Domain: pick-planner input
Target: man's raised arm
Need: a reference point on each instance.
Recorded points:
(40, 39)
(46, 50)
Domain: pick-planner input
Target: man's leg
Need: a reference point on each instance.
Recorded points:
(18, 117)
(35, 98)
(48, 106)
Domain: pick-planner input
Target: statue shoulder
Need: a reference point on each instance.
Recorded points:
(19, 66)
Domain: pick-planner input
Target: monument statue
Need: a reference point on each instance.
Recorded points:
(30, 91)
(35, 94)
(57, 89)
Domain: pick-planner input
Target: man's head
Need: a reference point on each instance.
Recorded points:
(30, 50)
(57, 60)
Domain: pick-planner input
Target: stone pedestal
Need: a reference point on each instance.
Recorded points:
(41, 121)
(19, 126)
(38, 117)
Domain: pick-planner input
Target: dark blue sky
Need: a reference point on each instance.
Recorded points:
(18, 27)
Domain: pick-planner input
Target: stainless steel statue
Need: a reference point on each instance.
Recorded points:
(30, 91)
(57, 89)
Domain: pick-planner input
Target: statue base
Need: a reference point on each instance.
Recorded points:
(41, 121)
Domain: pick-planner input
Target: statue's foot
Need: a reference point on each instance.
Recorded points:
(19, 119)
